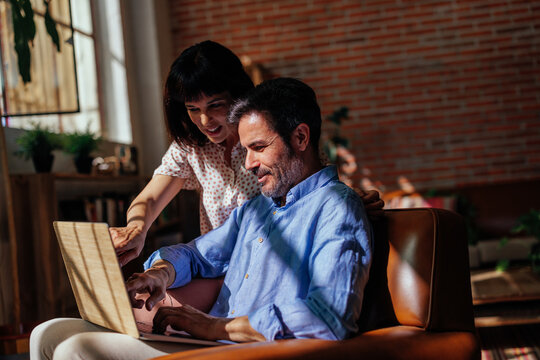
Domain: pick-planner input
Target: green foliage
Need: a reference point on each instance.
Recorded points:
(24, 32)
(330, 147)
(80, 144)
(503, 242)
(38, 140)
(502, 265)
(50, 25)
(529, 224)
(341, 113)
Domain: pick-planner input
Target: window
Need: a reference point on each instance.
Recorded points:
(102, 96)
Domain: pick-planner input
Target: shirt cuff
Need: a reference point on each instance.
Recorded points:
(181, 269)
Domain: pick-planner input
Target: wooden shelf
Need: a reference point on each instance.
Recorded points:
(514, 284)
(510, 297)
(38, 199)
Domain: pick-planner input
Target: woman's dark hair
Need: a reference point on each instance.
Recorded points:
(205, 68)
(285, 104)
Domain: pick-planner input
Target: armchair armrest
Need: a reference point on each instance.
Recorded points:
(400, 342)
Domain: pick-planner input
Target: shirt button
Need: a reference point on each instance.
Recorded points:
(261, 240)
(274, 212)
(232, 312)
(247, 275)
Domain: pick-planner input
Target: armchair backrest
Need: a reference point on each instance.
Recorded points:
(420, 273)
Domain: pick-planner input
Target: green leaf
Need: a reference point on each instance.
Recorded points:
(50, 24)
(23, 61)
(503, 242)
(38, 140)
(502, 265)
(28, 20)
(24, 31)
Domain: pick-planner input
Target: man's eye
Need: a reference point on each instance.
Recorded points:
(258, 148)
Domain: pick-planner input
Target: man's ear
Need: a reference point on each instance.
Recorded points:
(300, 137)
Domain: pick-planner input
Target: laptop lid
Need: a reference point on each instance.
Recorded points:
(95, 275)
(98, 284)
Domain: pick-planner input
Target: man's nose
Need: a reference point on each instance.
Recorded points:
(251, 161)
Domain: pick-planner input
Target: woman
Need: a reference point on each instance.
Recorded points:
(205, 153)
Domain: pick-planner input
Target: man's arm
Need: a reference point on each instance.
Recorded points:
(174, 266)
(207, 256)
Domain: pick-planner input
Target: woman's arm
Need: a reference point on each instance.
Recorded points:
(129, 240)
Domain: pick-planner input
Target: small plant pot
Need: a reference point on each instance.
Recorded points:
(43, 162)
(83, 164)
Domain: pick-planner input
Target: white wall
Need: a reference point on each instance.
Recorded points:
(144, 46)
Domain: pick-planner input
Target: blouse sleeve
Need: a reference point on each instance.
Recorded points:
(175, 163)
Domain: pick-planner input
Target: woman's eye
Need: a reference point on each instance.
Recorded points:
(216, 106)
(192, 110)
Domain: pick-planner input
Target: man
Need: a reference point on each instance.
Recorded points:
(295, 259)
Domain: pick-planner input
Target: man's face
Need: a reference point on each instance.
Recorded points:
(268, 157)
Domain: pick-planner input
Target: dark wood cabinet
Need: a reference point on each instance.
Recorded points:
(45, 291)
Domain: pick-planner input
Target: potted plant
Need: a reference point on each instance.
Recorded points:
(528, 223)
(37, 144)
(81, 145)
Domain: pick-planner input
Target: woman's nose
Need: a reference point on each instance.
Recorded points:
(204, 119)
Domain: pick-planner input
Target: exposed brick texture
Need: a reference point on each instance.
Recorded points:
(446, 93)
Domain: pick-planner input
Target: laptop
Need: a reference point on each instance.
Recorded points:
(98, 284)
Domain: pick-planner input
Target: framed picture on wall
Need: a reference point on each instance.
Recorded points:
(49, 84)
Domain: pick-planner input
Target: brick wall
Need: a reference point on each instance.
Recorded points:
(446, 93)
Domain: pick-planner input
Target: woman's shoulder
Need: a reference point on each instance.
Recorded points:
(186, 149)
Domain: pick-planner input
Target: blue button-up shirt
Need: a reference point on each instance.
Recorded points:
(296, 271)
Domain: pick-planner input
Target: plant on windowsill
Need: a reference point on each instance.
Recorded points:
(529, 224)
(38, 144)
(81, 145)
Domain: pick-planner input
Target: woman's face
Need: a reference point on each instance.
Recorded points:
(209, 113)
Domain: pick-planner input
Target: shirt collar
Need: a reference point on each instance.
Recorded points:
(312, 183)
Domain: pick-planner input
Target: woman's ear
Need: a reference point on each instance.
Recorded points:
(300, 137)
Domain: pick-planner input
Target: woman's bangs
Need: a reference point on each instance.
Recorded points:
(194, 86)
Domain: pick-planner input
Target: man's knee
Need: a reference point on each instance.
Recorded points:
(45, 337)
(80, 346)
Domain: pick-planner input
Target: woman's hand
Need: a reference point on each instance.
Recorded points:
(128, 242)
(153, 281)
(372, 203)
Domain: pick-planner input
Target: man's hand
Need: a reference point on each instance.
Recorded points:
(201, 325)
(128, 242)
(372, 203)
(153, 281)
(187, 318)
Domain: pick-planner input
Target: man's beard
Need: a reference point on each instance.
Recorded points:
(287, 172)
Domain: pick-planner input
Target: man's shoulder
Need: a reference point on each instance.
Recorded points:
(337, 191)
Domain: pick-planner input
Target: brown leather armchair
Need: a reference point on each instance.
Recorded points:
(417, 302)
